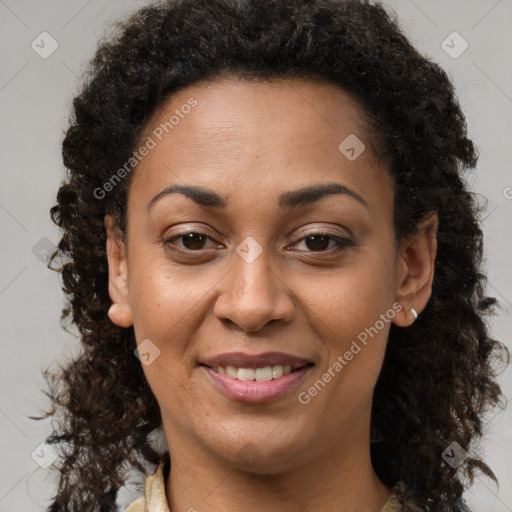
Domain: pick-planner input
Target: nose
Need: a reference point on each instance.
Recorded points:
(252, 295)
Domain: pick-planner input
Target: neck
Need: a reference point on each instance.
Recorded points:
(342, 479)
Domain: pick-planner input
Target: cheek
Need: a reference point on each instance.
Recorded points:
(165, 310)
(354, 297)
(168, 305)
(352, 313)
(160, 297)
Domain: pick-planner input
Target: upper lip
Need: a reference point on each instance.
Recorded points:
(243, 360)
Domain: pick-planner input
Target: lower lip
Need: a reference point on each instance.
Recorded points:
(253, 391)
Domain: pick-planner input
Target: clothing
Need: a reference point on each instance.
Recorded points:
(155, 499)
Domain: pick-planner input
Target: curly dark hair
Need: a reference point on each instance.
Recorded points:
(437, 380)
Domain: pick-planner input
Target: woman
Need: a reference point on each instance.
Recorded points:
(273, 260)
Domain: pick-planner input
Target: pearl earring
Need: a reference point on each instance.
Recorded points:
(414, 314)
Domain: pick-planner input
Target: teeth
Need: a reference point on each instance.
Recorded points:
(245, 374)
(277, 371)
(232, 372)
(265, 373)
(262, 374)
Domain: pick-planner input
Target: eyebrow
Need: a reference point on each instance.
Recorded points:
(287, 200)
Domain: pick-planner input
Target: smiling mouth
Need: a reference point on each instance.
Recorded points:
(261, 374)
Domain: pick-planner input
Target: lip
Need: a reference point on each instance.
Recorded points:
(251, 391)
(243, 360)
(254, 391)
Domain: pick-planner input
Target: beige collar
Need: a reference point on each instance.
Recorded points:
(155, 499)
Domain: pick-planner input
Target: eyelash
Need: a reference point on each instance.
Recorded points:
(342, 242)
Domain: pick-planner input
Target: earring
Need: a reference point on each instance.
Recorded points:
(414, 314)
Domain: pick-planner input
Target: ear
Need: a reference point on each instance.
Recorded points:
(415, 270)
(120, 311)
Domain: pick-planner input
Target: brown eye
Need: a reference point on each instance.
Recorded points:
(319, 242)
(192, 241)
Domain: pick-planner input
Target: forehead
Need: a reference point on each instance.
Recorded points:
(227, 106)
(230, 132)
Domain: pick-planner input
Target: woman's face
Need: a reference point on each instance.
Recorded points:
(274, 249)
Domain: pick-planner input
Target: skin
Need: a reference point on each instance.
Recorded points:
(249, 142)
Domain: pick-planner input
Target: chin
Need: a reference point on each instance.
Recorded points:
(262, 456)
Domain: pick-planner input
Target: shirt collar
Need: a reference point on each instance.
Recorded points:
(155, 499)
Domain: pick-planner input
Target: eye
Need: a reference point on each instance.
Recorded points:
(322, 242)
(318, 241)
(191, 240)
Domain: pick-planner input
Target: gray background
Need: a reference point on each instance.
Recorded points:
(35, 96)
